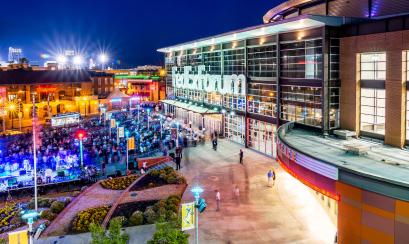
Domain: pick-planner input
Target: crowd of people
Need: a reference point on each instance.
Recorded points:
(58, 154)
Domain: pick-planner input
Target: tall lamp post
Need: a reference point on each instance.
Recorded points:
(196, 193)
(81, 135)
(127, 151)
(34, 120)
(177, 134)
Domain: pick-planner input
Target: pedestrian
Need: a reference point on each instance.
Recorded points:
(217, 200)
(214, 142)
(241, 156)
(269, 177)
(178, 157)
(237, 194)
(274, 177)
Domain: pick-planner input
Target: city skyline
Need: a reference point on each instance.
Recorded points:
(129, 37)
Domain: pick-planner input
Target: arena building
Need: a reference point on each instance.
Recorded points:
(315, 73)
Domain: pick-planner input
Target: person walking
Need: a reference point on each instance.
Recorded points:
(178, 157)
(269, 177)
(237, 194)
(241, 156)
(217, 200)
(214, 142)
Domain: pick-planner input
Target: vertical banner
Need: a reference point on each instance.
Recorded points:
(113, 123)
(188, 216)
(131, 143)
(18, 237)
(121, 132)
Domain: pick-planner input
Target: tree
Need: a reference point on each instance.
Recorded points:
(23, 61)
(169, 233)
(113, 236)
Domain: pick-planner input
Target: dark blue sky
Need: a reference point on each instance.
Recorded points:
(129, 30)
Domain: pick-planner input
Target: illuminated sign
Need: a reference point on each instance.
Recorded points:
(65, 119)
(225, 84)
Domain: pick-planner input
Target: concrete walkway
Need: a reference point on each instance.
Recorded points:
(286, 213)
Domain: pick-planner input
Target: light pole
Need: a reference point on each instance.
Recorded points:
(177, 134)
(127, 151)
(81, 135)
(29, 216)
(148, 111)
(34, 120)
(196, 193)
(117, 133)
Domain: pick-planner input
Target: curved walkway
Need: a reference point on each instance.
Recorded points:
(94, 196)
(286, 213)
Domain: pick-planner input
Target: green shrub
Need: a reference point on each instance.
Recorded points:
(75, 193)
(67, 201)
(41, 202)
(169, 233)
(48, 215)
(136, 218)
(150, 215)
(57, 206)
(120, 219)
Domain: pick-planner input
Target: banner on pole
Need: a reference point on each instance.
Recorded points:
(18, 237)
(121, 132)
(188, 216)
(113, 123)
(131, 143)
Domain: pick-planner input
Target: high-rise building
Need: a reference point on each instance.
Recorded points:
(15, 54)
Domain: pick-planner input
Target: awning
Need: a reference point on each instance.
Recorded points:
(117, 94)
(191, 107)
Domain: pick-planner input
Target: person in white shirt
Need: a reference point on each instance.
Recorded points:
(217, 200)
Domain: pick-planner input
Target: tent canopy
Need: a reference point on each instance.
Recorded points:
(117, 94)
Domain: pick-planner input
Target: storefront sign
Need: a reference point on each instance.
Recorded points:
(225, 84)
(121, 132)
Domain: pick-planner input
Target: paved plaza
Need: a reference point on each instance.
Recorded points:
(286, 213)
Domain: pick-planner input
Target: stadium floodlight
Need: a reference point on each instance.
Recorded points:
(77, 60)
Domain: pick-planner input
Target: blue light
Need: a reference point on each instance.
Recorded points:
(115, 100)
(196, 191)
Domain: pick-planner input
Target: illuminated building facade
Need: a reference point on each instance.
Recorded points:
(56, 92)
(313, 70)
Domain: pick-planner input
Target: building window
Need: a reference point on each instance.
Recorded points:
(373, 66)
(234, 128)
(302, 59)
(262, 61)
(234, 102)
(213, 98)
(407, 115)
(373, 110)
(301, 104)
(261, 136)
(233, 62)
(262, 99)
(212, 61)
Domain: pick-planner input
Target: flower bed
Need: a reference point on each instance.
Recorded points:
(9, 217)
(148, 212)
(84, 218)
(119, 183)
(157, 178)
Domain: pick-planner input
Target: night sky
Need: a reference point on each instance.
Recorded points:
(128, 30)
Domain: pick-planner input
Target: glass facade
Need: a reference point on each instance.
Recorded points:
(301, 59)
(373, 66)
(235, 128)
(262, 99)
(373, 110)
(262, 61)
(233, 62)
(301, 104)
(261, 136)
(334, 87)
(407, 115)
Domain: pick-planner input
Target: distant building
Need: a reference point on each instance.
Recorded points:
(15, 54)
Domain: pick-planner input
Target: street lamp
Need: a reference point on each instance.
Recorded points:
(103, 58)
(127, 151)
(197, 190)
(177, 134)
(29, 216)
(80, 136)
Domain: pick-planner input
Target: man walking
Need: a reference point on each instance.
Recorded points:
(241, 156)
(237, 194)
(269, 177)
(217, 200)
(178, 157)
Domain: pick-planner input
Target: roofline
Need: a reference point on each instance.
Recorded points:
(212, 40)
(283, 7)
